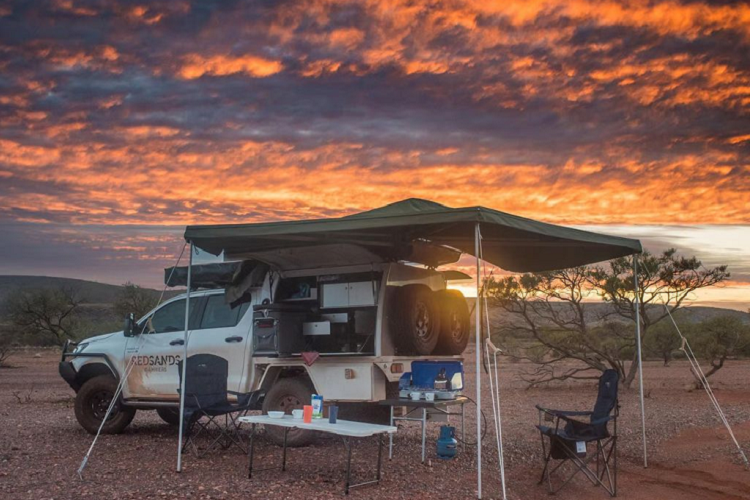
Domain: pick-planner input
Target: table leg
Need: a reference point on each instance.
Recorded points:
(250, 453)
(283, 456)
(424, 430)
(348, 446)
(390, 439)
(463, 428)
(380, 453)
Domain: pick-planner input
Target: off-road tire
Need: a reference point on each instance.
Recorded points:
(169, 415)
(415, 320)
(92, 402)
(455, 325)
(286, 395)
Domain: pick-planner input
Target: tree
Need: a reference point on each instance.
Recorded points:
(717, 339)
(663, 340)
(663, 280)
(134, 299)
(7, 348)
(49, 314)
(548, 310)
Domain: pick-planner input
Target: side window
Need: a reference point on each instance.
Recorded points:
(171, 317)
(218, 314)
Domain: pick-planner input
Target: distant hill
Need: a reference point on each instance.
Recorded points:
(597, 313)
(96, 298)
(696, 314)
(90, 292)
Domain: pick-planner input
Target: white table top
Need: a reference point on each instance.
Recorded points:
(341, 427)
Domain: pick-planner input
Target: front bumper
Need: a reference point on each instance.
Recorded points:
(68, 373)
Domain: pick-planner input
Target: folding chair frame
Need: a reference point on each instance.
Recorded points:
(227, 436)
(606, 450)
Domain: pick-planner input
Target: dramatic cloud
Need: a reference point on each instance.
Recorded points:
(571, 111)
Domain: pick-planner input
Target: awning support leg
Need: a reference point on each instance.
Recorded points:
(640, 356)
(184, 359)
(477, 334)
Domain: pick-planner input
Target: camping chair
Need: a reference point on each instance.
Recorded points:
(571, 443)
(206, 396)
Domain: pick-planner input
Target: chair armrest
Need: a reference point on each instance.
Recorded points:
(564, 413)
(246, 398)
(603, 420)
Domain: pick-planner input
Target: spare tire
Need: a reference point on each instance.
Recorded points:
(455, 325)
(415, 324)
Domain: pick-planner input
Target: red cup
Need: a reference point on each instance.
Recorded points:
(307, 414)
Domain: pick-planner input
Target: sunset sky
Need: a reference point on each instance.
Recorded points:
(122, 122)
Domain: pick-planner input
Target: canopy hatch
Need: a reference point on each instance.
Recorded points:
(418, 231)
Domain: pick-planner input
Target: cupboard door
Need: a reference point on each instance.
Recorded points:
(361, 294)
(335, 295)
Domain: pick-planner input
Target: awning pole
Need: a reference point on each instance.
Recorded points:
(184, 358)
(640, 356)
(477, 330)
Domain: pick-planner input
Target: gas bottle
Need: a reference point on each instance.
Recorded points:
(446, 443)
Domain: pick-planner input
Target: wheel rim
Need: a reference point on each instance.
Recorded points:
(100, 402)
(289, 402)
(423, 321)
(456, 328)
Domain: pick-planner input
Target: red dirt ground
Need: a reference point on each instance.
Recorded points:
(691, 455)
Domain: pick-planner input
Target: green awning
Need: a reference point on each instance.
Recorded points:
(406, 230)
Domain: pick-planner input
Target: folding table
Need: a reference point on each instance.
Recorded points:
(439, 406)
(344, 428)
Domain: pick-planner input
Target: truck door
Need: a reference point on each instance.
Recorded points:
(223, 332)
(158, 350)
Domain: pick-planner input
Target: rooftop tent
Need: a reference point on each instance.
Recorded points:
(414, 230)
(235, 277)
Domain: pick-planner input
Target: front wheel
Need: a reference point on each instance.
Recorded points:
(92, 402)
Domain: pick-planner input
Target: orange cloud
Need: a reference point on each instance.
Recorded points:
(278, 178)
(197, 65)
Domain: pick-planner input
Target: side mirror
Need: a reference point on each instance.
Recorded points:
(129, 327)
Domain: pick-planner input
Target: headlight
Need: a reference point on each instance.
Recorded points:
(80, 347)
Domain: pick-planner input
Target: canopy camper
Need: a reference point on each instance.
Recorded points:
(359, 268)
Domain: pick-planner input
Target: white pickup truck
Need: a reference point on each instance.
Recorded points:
(367, 323)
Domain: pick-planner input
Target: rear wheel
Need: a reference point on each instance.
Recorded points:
(92, 402)
(285, 395)
(169, 415)
(415, 326)
(454, 325)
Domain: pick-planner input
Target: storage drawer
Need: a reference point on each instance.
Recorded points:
(316, 328)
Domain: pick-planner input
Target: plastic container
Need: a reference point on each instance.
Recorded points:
(333, 413)
(317, 406)
(297, 414)
(307, 412)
